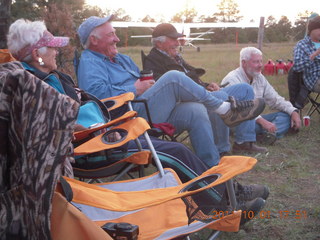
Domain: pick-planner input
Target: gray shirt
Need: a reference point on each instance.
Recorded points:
(262, 89)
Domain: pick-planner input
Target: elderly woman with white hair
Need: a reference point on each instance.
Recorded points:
(36, 48)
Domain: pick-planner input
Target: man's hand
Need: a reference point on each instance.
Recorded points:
(213, 87)
(142, 86)
(265, 124)
(295, 120)
(114, 137)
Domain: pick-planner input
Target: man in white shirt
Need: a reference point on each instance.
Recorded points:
(265, 126)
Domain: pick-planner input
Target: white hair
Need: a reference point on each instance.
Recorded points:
(247, 52)
(95, 32)
(23, 33)
(158, 39)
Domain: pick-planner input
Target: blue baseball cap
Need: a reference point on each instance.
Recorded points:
(88, 25)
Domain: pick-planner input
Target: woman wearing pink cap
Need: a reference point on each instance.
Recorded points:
(36, 48)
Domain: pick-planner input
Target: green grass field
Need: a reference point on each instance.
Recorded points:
(291, 167)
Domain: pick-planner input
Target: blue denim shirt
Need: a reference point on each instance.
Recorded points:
(98, 75)
(302, 62)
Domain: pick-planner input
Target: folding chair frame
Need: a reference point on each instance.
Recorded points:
(315, 103)
(300, 96)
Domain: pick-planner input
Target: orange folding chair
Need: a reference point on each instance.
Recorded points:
(161, 207)
(5, 56)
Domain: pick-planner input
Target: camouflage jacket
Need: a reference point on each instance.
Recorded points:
(36, 125)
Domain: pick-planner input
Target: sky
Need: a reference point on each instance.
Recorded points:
(249, 9)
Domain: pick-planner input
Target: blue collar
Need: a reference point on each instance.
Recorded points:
(316, 44)
(50, 79)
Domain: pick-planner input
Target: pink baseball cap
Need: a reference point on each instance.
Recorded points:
(47, 40)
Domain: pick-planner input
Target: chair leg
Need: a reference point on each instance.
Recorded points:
(94, 180)
(315, 105)
(151, 147)
(214, 235)
(233, 203)
(141, 171)
(126, 170)
(154, 154)
(231, 194)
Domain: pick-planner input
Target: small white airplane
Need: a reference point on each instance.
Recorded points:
(185, 28)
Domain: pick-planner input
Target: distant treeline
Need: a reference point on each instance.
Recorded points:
(76, 10)
(63, 17)
(275, 31)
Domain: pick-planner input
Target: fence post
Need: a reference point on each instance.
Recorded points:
(261, 33)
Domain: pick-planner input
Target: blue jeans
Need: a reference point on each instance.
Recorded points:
(282, 121)
(177, 99)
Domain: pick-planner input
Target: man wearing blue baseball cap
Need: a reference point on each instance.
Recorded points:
(175, 98)
(89, 25)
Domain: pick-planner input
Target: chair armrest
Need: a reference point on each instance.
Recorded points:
(117, 101)
(86, 133)
(133, 129)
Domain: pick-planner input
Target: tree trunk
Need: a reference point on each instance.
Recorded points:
(4, 21)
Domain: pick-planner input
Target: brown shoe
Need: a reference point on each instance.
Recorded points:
(250, 192)
(242, 110)
(248, 147)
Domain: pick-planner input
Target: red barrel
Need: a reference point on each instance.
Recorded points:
(281, 67)
(289, 65)
(269, 68)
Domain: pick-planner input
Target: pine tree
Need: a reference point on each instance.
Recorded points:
(228, 11)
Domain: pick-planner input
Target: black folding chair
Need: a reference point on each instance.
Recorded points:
(299, 95)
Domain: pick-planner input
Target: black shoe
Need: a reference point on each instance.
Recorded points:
(242, 110)
(266, 138)
(250, 192)
(248, 147)
(250, 209)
